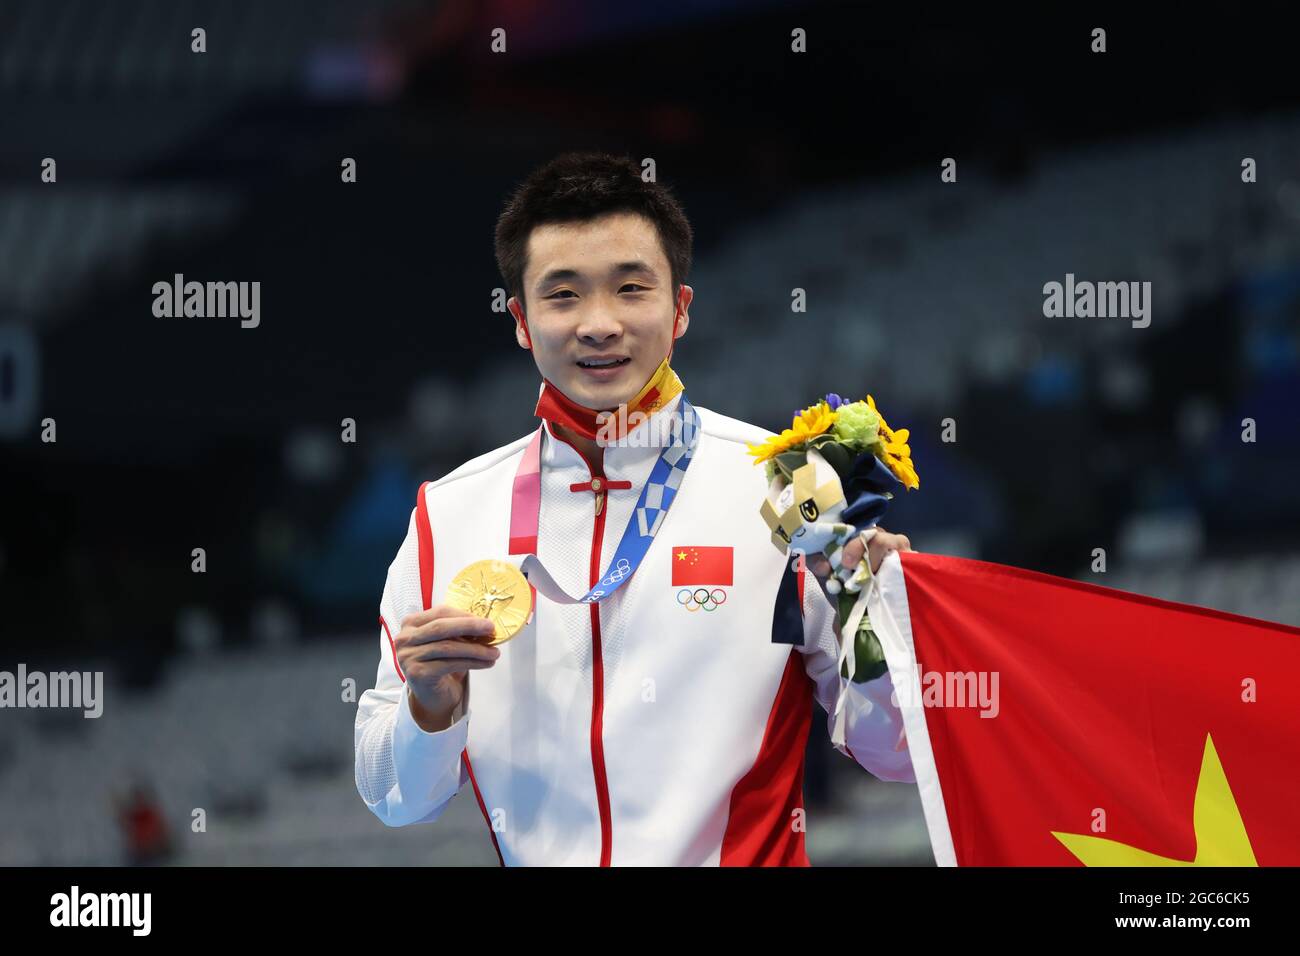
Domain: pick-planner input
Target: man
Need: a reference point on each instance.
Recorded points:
(659, 724)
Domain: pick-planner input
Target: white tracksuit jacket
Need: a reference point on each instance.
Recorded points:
(633, 731)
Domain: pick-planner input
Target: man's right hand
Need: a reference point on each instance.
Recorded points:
(435, 650)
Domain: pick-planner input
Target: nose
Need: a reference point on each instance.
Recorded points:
(598, 327)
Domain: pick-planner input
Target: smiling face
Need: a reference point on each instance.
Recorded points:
(599, 289)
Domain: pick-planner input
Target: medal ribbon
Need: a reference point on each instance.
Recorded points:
(657, 495)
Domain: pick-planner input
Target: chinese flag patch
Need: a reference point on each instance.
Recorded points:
(699, 565)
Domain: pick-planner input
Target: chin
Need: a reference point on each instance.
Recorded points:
(601, 396)
(607, 399)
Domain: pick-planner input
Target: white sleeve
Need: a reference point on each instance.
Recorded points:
(404, 773)
(874, 735)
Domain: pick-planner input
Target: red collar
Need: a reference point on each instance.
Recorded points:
(554, 406)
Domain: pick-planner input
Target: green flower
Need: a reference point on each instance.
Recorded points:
(857, 425)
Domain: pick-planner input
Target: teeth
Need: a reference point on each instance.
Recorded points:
(600, 364)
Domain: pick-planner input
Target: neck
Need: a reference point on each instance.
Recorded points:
(593, 453)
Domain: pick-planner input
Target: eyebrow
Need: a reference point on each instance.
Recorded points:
(621, 269)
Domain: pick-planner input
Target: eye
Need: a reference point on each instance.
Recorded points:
(556, 295)
(634, 285)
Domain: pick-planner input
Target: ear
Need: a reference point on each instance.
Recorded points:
(682, 318)
(521, 323)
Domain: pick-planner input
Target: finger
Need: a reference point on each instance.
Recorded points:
(889, 542)
(420, 618)
(880, 546)
(428, 672)
(451, 649)
(464, 627)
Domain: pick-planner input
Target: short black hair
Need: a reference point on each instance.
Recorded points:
(581, 186)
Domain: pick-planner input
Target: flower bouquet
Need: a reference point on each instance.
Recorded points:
(830, 477)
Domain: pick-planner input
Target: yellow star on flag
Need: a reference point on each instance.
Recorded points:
(1221, 838)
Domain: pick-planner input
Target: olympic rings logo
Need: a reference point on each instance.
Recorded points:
(617, 573)
(694, 600)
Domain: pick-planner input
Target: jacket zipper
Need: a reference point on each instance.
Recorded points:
(598, 692)
(597, 484)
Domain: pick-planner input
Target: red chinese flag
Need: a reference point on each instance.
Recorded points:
(1119, 730)
(697, 565)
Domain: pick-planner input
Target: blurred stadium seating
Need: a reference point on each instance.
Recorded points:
(260, 737)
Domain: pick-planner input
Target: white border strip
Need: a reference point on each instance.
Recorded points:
(890, 617)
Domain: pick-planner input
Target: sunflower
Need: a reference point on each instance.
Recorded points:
(808, 424)
(895, 452)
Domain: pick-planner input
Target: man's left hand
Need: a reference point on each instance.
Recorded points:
(881, 544)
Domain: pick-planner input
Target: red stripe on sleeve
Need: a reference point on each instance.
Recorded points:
(424, 533)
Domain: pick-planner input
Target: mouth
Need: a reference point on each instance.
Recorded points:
(603, 362)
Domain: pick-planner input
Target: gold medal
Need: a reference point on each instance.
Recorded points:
(495, 590)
